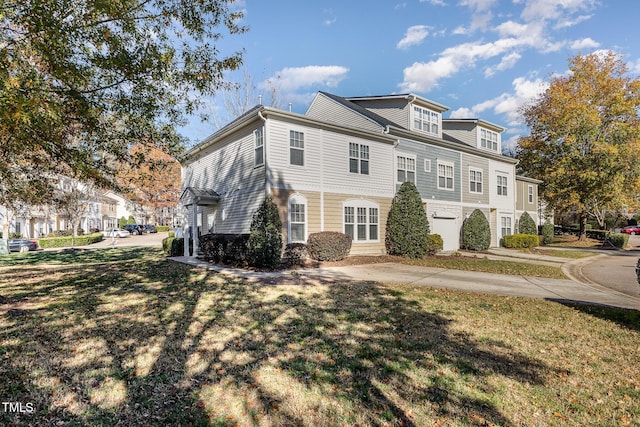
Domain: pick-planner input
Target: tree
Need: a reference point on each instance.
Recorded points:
(72, 200)
(265, 238)
(585, 138)
(476, 232)
(80, 80)
(527, 225)
(153, 180)
(407, 232)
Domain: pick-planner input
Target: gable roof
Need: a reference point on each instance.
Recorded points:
(411, 98)
(376, 118)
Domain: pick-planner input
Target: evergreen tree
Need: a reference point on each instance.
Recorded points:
(265, 239)
(476, 233)
(407, 231)
(527, 225)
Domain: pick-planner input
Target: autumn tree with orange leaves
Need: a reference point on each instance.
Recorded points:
(585, 138)
(154, 181)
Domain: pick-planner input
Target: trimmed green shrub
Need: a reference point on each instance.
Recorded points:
(407, 231)
(265, 237)
(162, 228)
(328, 246)
(435, 244)
(67, 241)
(60, 233)
(122, 222)
(295, 254)
(547, 233)
(173, 246)
(131, 220)
(527, 225)
(619, 240)
(225, 248)
(521, 241)
(172, 234)
(476, 232)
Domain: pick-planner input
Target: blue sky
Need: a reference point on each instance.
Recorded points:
(481, 58)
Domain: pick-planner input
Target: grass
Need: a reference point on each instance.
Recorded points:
(489, 266)
(562, 253)
(124, 337)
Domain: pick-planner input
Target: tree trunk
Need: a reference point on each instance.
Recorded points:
(583, 226)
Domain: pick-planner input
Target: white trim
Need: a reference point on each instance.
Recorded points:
(427, 165)
(355, 204)
(297, 199)
(476, 169)
(396, 168)
(453, 177)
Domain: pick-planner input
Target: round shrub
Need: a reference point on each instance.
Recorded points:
(476, 232)
(328, 246)
(295, 254)
(407, 231)
(520, 241)
(547, 233)
(527, 225)
(435, 243)
(265, 237)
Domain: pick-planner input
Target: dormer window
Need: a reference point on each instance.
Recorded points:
(425, 120)
(488, 140)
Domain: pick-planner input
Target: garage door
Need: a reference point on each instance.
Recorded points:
(447, 228)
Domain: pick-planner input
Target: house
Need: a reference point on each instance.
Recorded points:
(338, 166)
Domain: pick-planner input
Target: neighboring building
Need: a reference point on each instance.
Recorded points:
(338, 167)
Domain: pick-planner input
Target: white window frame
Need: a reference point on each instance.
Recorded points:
(361, 220)
(473, 172)
(297, 200)
(530, 194)
(296, 142)
(425, 120)
(359, 156)
(489, 140)
(502, 187)
(258, 147)
(505, 221)
(427, 165)
(406, 164)
(447, 165)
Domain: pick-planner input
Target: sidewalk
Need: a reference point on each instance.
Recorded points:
(573, 290)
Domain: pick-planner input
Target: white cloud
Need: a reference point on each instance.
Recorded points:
(587, 43)
(329, 22)
(434, 2)
(508, 61)
(414, 36)
(554, 10)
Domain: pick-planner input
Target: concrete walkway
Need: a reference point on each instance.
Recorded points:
(573, 290)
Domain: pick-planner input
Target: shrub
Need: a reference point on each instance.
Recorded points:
(162, 228)
(225, 248)
(329, 246)
(60, 233)
(407, 231)
(131, 220)
(547, 233)
(67, 241)
(527, 225)
(122, 222)
(265, 238)
(435, 244)
(173, 246)
(295, 254)
(14, 235)
(619, 240)
(638, 271)
(476, 233)
(521, 241)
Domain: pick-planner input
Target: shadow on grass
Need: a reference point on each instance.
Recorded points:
(77, 256)
(627, 318)
(162, 343)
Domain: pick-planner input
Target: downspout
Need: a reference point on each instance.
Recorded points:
(267, 181)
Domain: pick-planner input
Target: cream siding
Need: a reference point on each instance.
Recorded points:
(465, 133)
(328, 110)
(477, 163)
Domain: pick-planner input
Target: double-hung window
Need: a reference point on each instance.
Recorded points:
(358, 158)
(362, 221)
(475, 181)
(488, 140)
(502, 185)
(406, 167)
(530, 193)
(259, 148)
(296, 148)
(445, 176)
(425, 120)
(505, 225)
(297, 219)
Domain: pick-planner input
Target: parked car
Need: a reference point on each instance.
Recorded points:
(22, 245)
(132, 228)
(148, 228)
(631, 229)
(116, 232)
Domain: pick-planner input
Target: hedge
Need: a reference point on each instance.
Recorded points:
(162, 228)
(521, 241)
(225, 248)
(619, 240)
(66, 241)
(435, 244)
(173, 246)
(295, 254)
(329, 246)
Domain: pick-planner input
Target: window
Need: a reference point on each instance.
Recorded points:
(502, 185)
(425, 120)
(296, 148)
(475, 181)
(488, 140)
(530, 191)
(406, 167)
(505, 225)
(297, 219)
(358, 158)
(361, 221)
(259, 148)
(427, 165)
(445, 176)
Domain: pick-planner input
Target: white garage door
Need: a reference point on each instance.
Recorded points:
(447, 228)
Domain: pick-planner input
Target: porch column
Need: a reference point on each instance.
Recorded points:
(194, 230)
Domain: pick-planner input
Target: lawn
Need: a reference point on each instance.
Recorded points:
(125, 337)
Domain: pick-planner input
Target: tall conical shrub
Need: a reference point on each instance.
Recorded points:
(407, 231)
(476, 233)
(265, 238)
(527, 225)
